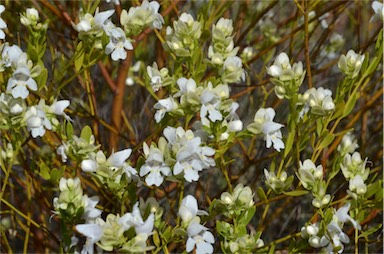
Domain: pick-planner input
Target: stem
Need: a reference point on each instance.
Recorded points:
(118, 99)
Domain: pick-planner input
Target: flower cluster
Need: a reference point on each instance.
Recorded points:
(286, 78)
(198, 235)
(112, 233)
(139, 17)
(37, 118)
(277, 183)
(350, 64)
(334, 237)
(222, 52)
(238, 206)
(183, 38)
(355, 171)
(263, 123)
(239, 200)
(213, 103)
(92, 28)
(180, 152)
(318, 101)
(158, 78)
(311, 177)
(72, 205)
(113, 171)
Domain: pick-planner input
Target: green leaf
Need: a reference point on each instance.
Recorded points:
(56, 174)
(79, 58)
(261, 194)
(247, 216)
(289, 142)
(373, 188)
(69, 130)
(156, 238)
(86, 133)
(350, 105)
(41, 80)
(327, 140)
(370, 231)
(44, 171)
(296, 193)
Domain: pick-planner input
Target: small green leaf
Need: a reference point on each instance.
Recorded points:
(247, 216)
(261, 194)
(350, 105)
(296, 193)
(79, 58)
(156, 238)
(289, 142)
(370, 231)
(327, 140)
(86, 133)
(44, 171)
(69, 130)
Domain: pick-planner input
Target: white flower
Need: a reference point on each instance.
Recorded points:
(154, 167)
(164, 106)
(135, 219)
(94, 24)
(62, 151)
(93, 232)
(90, 212)
(58, 107)
(89, 165)
(31, 17)
(309, 173)
(225, 26)
(281, 63)
(210, 105)
(351, 63)
(233, 70)
(357, 185)
(274, 182)
(243, 196)
(13, 56)
(378, 8)
(37, 121)
(3, 25)
(200, 237)
(118, 44)
(318, 100)
(353, 165)
(156, 76)
(263, 123)
(137, 18)
(185, 86)
(20, 81)
(348, 144)
(189, 210)
(342, 216)
(85, 23)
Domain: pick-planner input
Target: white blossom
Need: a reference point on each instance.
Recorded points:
(154, 167)
(118, 44)
(263, 123)
(3, 25)
(164, 106)
(20, 82)
(351, 63)
(200, 237)
(37, 121)
(378, 8)
(189, 209)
